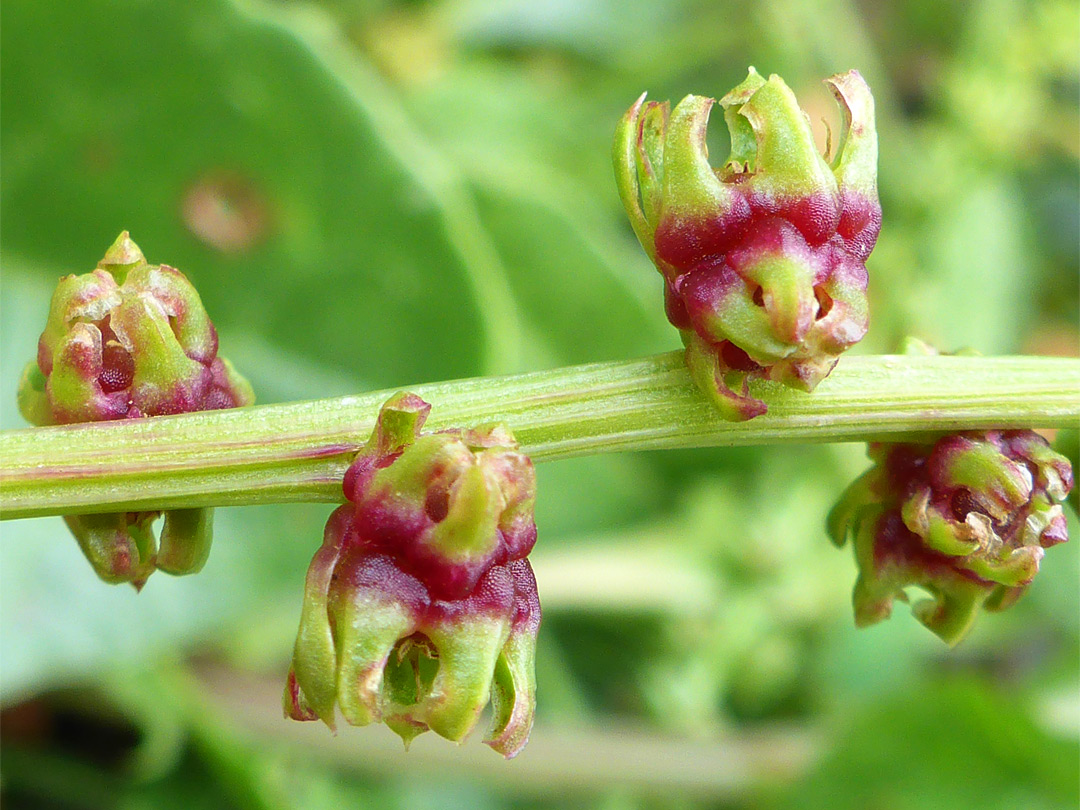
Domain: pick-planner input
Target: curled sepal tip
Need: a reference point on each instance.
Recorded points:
(130, 339)
(763, 258)
(966, 518)
(420, 607)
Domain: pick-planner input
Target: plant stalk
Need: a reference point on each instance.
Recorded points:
(299, 451)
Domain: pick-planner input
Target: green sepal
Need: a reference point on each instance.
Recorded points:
(704, 366)
(513, 694)
(88, 297)
(367, 625)
(398, 424)
(469, 530)
(515, 476)
(1004, 597)
(164, 374)
(185, 540)
(743, 156)
(873, 595)
(624, 154)
(74, 392)
(940, 532)
(122, 256)
(1013, 567)
(1042, 513)
(843, 325)
(315, 658)
(691, 189)
(650, 157)
(999, 484)
(468, 650)
(737, 318)
(854, 160)
(787, 288)
(844, 517)
(788, 164)
(1051, 467)
(949, 614)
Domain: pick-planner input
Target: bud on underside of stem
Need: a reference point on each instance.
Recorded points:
(128, 340)
(421, 607)
(966, 518)
(763, 257)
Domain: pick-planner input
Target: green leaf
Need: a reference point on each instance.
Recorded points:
(297, 198)
(538, 161)
(577, 305)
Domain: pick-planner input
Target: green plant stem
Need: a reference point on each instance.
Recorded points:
(299, 451)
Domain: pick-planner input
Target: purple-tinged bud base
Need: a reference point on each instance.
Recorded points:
(449, 504)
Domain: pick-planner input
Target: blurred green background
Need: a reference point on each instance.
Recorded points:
(375, 193)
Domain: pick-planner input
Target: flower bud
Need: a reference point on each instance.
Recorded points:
(452, 504)
(763, 258)
(420, 606)
(121, 546)
(127, 340)
(966, 518)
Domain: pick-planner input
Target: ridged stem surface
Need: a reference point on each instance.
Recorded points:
(299, 451)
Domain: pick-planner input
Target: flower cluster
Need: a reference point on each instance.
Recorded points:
(421, 606)
(966, 518)
(763, 258)
(127, 340)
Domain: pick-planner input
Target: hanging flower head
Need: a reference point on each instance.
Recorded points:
(420, 607)
(966, 517)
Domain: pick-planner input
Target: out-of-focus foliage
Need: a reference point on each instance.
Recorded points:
(371, 193)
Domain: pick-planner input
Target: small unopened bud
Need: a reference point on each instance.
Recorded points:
(127, 340)
(762, 258)
(420, 607)
(966, 518)
(452, 503)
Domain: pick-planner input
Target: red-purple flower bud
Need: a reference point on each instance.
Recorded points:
(127, 340)
(763, 258)
(420, 607)
(966, 518)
